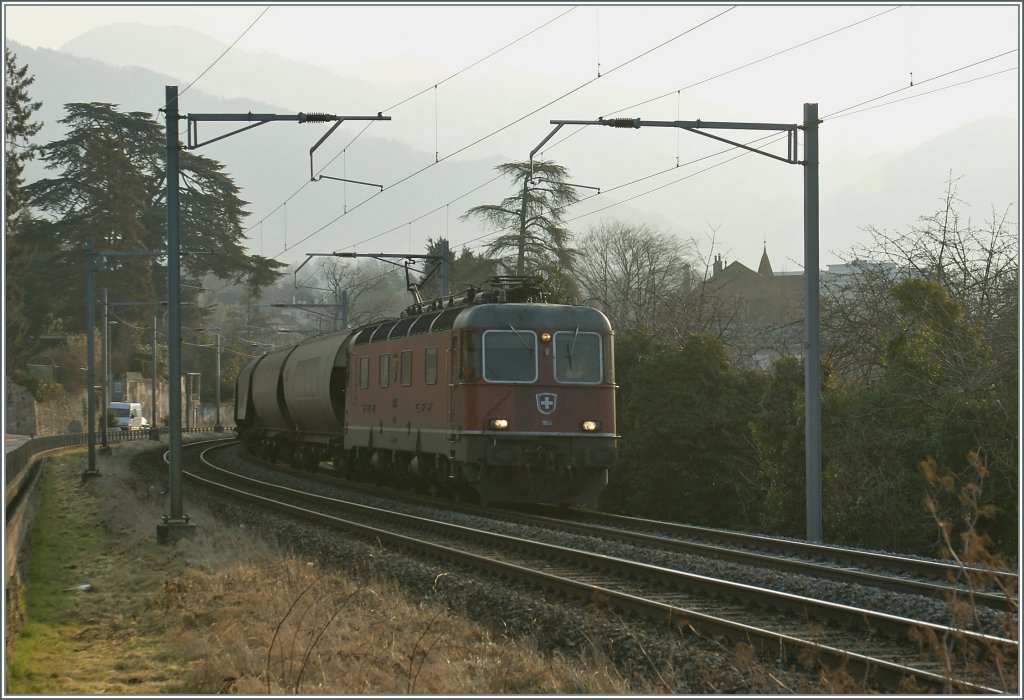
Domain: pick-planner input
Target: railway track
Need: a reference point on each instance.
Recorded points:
(943, 580)
(1002, 585)
(868, 644)
(940, 579)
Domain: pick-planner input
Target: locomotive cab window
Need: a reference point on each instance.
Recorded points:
(578, 357)
(383, 370)
(510, 356)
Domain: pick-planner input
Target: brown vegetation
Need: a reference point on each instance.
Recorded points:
(227, 612)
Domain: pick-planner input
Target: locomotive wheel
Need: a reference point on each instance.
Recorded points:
(341, 465)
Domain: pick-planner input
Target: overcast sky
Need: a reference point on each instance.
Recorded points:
(755, 63)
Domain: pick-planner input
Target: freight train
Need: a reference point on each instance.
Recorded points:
(496, 395)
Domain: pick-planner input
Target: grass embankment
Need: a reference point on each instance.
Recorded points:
(225, 613)
(95, 641)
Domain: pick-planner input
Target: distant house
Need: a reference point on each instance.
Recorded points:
(765, 310)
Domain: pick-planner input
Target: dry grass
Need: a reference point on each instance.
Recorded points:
(285, 626)
(961, 657)
(227, 612)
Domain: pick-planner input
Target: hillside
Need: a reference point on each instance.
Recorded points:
(746, 204)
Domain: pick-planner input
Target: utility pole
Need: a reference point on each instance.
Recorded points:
(217, 427)
(90, 352)
(177, 524)
(90, 356)
(154, 428)
(812, 357)
(104, 401)
(812, 334)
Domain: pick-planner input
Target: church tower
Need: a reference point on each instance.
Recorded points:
(765, 268)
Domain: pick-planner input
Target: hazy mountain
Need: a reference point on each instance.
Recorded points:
(904, 186)
(750, 202)
(237, 74)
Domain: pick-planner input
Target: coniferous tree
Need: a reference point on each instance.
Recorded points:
(111, 189)
(19, 129)
(529, 223)
(468, 269)
(18, 150)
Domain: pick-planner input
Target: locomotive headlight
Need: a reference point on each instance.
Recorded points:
(590, 426)
(498, 423)
(545, 337)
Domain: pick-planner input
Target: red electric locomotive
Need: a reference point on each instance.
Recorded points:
(493, 395)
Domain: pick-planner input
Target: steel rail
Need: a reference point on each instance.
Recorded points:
(942, 570)
(886, 581)
(887, 671)
(878, 570)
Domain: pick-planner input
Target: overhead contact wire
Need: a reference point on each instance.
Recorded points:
(776, 139)
(224, 53)
(421, 92)
(516, 121)
(730, 71)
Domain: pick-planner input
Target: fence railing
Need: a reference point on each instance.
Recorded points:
(20, 457)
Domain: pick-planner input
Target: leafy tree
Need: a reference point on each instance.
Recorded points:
(686, 452)
(936, 400)
(19, 128)
(529, 222)
(111, 190)
(925, 334)
(778, 432)
(468, 269)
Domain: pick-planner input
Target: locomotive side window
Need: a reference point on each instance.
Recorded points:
(609, 359)
(364, 372)
(510, 356)
(382, 374)
(406, 367)
(578, 357)
(430, 366)
(467, 357)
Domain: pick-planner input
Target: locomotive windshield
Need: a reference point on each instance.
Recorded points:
(510, 356)
(578, 357)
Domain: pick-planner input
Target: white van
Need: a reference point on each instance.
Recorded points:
(128, 415)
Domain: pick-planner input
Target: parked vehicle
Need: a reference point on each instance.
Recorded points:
(128, 415)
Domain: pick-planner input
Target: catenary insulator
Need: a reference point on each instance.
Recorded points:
(316, 117)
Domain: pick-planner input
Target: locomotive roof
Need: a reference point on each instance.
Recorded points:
(533, 316)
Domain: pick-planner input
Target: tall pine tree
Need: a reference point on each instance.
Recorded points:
(19, 128)
(111, 189)
(529, 222)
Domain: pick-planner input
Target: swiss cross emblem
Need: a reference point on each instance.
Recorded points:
(546, 403)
